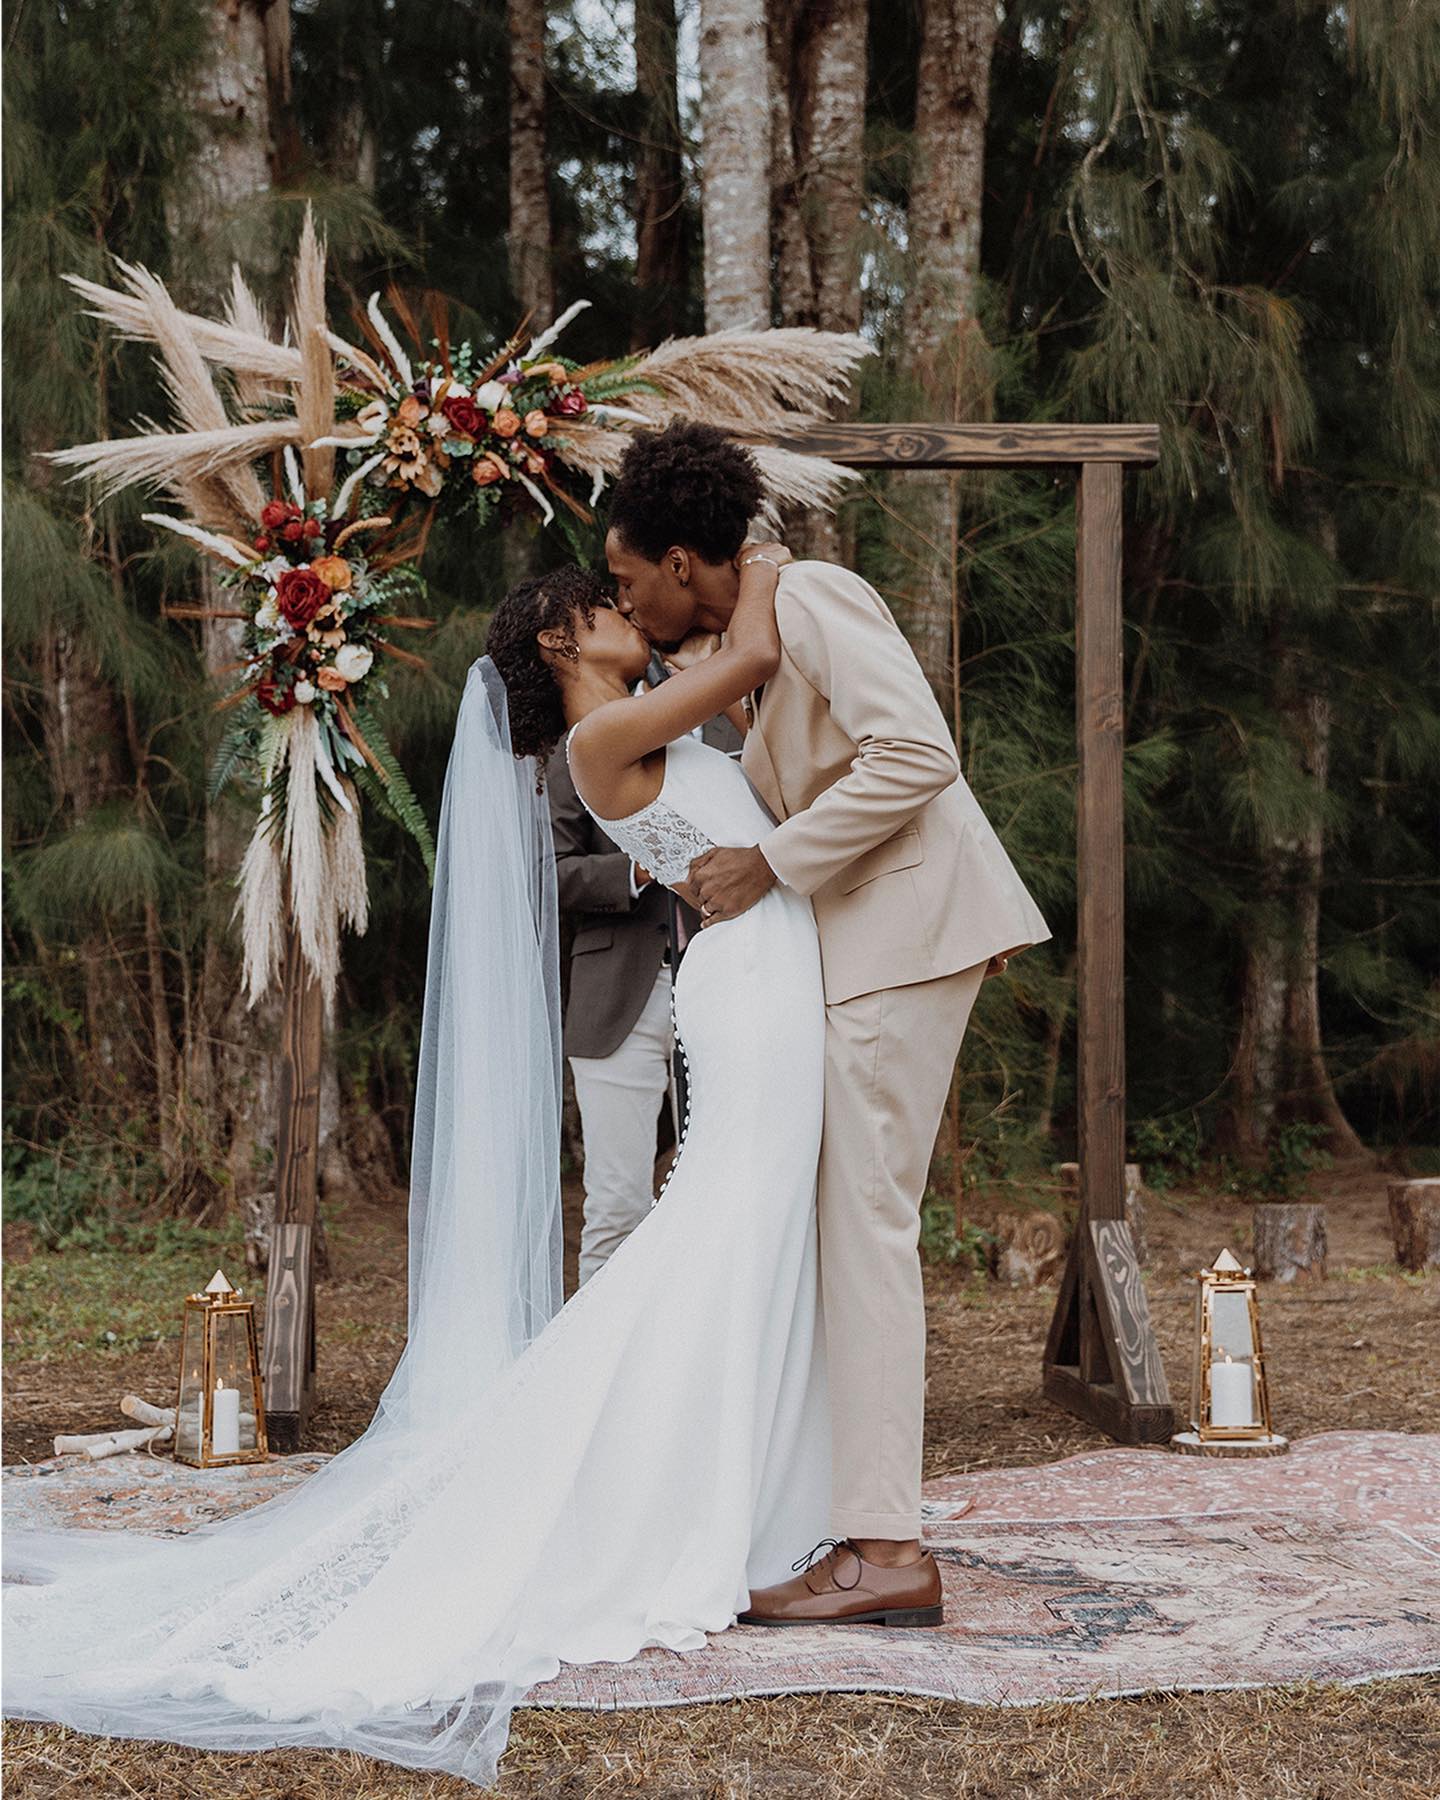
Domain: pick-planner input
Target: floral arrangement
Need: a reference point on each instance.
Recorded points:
(471, 431)
(364, 446)
(316, 624)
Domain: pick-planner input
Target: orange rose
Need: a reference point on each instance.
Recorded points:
(506, 423)
(487, 468)
(536, 423)
(410, 411)
(334, 571)
(331, 680)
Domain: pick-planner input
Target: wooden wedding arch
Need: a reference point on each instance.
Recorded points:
(1100, 1360)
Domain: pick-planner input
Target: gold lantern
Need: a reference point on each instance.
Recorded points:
(1229, 1396)
(219, 1414)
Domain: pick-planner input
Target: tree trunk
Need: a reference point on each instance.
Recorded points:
(216, 215)
(239, 96)
(529, 236)
(945, 359)
(661, 259)
(735, 181)
(1279, 1073)
(817, 76)
(1290, 1241)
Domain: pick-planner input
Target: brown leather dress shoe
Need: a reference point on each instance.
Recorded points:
(843, 1589)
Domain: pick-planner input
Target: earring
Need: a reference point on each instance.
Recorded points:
(572, 652)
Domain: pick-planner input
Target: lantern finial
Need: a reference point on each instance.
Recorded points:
(217, 1284)
(1226, 1262)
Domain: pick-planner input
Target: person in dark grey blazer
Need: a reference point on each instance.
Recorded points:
(618, 1033)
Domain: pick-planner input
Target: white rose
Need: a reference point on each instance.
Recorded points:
(304, 691)
(353, 661)
(492, 396)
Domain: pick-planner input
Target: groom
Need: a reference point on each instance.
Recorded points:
(915, 901)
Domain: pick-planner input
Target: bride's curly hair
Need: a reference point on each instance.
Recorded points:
(532, 688)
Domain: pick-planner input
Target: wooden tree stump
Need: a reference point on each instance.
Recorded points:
(1415, 1222)
(1029, 1248)
(1134, 1202)
(1290, 1241)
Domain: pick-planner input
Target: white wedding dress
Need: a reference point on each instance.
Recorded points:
(642, 1460)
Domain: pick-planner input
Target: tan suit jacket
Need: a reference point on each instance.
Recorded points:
(852, 754)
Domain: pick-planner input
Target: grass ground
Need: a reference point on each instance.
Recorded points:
(83, 1327)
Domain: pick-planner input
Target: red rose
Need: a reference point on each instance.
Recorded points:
(273, 697)
(274, 513)
(300, 594)
(464, 414)
(313, 528)
(293, 532)
(262, 542)
(571, 404)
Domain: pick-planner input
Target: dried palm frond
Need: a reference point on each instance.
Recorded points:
(315, 391)
(594, 449)
(347, 864)
(261, 905)
(234, 346)
(802, 480)
(172, 458)
(749, 381)
(243, 313)
(226, 548)
(307, 860)
(198, 406)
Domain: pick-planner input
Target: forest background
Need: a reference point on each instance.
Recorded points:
(1223, 218)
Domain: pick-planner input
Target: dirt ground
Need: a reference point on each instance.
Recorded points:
(1355, 1351)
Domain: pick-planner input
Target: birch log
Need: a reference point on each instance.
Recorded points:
(100, 1444)
(143, 1413)
(735, 163)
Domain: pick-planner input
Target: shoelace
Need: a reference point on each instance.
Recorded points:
(832, 1548)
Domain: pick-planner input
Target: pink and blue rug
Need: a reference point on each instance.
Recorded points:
(1115, 1572)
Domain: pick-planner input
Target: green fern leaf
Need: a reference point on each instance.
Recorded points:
(400, 796)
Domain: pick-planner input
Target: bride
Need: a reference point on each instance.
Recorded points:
(537, 1486)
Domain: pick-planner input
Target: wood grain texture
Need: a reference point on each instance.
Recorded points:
(1125, 1314)
(1100, 845)
(918, 445)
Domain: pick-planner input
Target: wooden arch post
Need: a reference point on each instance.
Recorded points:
(1101, 1361)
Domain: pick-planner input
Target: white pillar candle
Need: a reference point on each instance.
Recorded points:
(1230, 1391)
(225, 1421)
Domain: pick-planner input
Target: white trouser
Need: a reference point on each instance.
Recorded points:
(619, 1098)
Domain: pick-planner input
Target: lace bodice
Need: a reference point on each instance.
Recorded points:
(658, 837)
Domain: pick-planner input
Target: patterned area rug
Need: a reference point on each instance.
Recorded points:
(1115, 1572)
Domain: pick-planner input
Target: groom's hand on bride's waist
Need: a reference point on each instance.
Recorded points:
(729, 882)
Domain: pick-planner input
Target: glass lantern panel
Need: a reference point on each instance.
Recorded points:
(233, 1428)
(1230, 1326)
(192, 1374)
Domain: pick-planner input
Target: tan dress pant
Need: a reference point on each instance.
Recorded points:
(889, 1058)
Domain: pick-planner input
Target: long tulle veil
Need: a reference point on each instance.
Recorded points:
(190, 1639)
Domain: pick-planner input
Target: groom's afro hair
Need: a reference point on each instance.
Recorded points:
(688, 485)
(532, 692)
